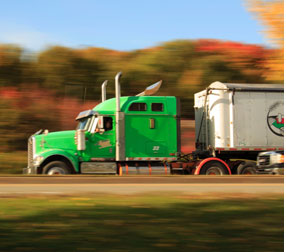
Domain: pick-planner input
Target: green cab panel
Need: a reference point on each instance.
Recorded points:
(143, 141)
(151, 124)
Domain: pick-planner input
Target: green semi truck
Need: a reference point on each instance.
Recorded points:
(118, 132)
(141, 135)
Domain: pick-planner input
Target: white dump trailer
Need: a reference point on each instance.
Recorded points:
(237, 121)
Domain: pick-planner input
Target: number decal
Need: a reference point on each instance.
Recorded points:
(156, 148)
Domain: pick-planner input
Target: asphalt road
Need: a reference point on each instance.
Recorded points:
(140, 184)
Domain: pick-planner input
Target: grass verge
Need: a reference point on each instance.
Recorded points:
(141, 223)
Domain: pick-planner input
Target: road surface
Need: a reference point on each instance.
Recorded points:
(140, 184)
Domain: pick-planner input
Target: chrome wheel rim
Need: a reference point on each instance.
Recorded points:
(56, 171)
(214, 171)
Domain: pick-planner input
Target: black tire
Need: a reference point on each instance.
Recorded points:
(247, 168)
(213, 168)
(56, 168)
(235, 167)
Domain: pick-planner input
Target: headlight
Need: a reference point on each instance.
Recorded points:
(277, 158)
(38, 160)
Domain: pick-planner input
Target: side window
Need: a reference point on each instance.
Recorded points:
(138, 106)
(157, 107)
(107, 122)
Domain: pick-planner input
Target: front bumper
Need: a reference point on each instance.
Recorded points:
(30, 170)
(275, 169)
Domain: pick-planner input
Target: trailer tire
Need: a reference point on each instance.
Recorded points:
(213, 168)
(56, 168)
(235, 166)
(247, 168)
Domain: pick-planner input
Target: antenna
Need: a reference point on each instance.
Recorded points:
(152, 89)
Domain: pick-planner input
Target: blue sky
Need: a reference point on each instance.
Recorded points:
(124, 24)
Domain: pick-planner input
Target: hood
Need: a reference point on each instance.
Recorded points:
(57, 140)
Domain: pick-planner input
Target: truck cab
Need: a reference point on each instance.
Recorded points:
(270, 162)
(149, 126)
(117, 132)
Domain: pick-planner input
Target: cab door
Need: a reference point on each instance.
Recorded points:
(101, 143)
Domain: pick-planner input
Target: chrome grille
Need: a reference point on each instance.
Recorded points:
(30, 152)
(264, 160)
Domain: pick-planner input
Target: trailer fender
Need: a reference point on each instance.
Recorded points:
(201, 163)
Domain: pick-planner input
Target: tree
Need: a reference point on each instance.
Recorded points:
(10, 65)
(66, 71)
(271, 14)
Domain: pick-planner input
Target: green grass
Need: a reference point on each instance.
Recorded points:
(13, 163)
(141, 223)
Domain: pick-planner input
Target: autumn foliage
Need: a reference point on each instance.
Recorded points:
(23, 112)
(48, 89)
(271, 15)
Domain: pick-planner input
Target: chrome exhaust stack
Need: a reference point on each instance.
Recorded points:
(103, 90)
(120, 122)
(117, 91)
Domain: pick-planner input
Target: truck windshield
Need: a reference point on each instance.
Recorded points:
(84, 123)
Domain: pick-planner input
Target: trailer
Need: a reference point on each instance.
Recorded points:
(141, 134)
(235, 122)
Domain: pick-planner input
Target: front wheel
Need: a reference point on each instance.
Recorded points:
(213, 168)
(56, 168)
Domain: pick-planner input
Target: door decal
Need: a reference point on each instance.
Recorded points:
(103, 144)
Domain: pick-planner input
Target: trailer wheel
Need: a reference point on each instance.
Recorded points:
(247, 168)
(56, 168)
(213, 168)
(235, 165)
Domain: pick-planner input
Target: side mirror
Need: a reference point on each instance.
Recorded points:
(80, 139)
(100, 122)
(100, 126)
